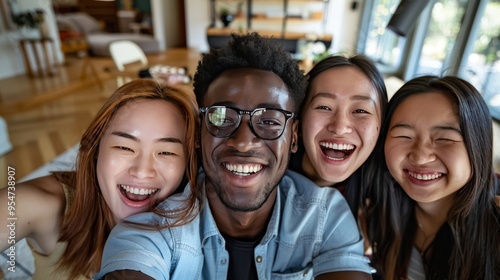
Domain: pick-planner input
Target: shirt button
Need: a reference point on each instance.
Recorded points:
(223, 261)
(259, 259)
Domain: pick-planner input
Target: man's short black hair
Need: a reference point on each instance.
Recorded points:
(251, 51)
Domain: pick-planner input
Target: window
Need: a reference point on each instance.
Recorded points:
(482, 66)
(441, 37)
(451, 37)
(382, 45)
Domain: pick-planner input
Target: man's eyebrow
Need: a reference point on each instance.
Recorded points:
(261, 105)
(269, 105)
(132, 137)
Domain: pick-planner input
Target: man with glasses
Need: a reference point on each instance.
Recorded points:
(255, 221)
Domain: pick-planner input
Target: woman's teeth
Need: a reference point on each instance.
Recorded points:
(335, 146)
(425, 177)
(137, 190)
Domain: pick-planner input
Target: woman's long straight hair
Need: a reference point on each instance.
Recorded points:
(364, 64)
(467, 246)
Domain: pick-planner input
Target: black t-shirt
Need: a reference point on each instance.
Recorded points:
(241, 259)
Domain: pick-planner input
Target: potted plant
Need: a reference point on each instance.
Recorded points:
(30, 21)
(226, 17)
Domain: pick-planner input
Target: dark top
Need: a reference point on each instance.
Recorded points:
(241, 259)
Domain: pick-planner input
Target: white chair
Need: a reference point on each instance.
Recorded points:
(125, 52)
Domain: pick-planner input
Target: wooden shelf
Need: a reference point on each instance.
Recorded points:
(280, 19)
(288, 35)
(288, 21)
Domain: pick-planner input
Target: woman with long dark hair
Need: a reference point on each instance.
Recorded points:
(433, 212)
(340, 121)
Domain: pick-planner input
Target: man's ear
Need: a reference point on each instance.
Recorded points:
(295, 136)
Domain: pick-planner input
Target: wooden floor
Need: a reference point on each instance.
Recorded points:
(47, 115)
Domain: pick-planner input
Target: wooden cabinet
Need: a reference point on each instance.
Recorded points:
(289, 20)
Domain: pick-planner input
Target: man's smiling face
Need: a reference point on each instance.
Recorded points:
(243, 169)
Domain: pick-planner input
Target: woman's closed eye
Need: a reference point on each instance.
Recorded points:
(443, 139)
(448, 136)
(166, 153)
(401, 136)
(361, 111)
(170, 149)
(399, 133)
(322, 107)
(123, 148)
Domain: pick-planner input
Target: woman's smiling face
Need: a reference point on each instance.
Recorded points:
(425, 150)
(340, 124)
(142, 157)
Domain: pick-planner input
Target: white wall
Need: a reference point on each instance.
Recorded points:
(157, 7)
(11, 60)
(197, 21)
(165, 23)
(346, 22)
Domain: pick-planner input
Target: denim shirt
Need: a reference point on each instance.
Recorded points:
(311, 232)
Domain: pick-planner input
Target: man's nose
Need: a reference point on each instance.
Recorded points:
(243, 139)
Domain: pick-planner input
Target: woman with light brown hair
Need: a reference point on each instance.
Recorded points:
(139, 149)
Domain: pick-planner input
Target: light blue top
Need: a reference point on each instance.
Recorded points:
(311, 232)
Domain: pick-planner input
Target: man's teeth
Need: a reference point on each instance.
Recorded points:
(425, 177)
(336, 146)
(243, 170)
(138, 191)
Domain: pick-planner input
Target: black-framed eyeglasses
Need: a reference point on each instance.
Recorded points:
(265, 123)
